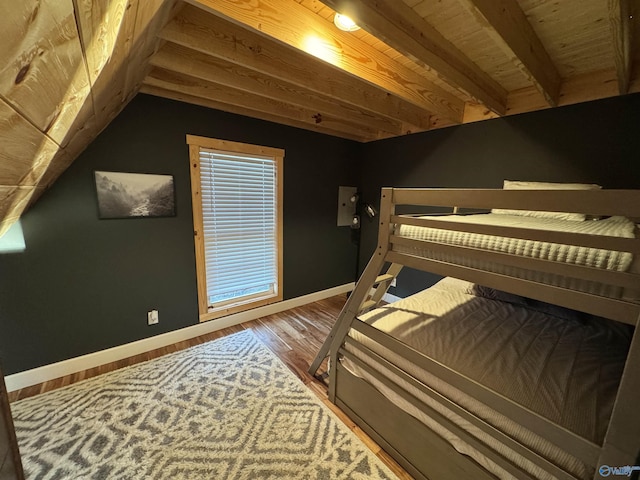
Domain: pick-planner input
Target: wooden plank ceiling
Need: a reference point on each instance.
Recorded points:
(68, 67)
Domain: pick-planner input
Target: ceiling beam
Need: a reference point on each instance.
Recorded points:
(235, 109)
(620, 19)
(298, 27)
(400, 27)
(305, 118)
(151, 17)
(221, 39)
(195, 64)
(507, 24)
(577, 89)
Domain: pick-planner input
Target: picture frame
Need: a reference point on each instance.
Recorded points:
(134, 195)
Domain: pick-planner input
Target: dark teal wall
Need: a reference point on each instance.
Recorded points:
(85, 284)
(594, 142)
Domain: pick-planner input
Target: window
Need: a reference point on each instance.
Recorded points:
(237, 212)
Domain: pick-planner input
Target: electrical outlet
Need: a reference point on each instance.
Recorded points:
(394, 282)
(152, 317)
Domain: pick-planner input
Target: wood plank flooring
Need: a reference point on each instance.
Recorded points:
(294, 336)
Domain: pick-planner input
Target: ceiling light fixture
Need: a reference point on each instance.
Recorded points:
(345, 23)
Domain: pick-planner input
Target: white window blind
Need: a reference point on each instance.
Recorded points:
(239, 208)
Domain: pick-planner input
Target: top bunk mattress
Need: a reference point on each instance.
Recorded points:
(571, 254)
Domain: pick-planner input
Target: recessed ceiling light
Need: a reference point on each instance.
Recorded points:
(345, 23)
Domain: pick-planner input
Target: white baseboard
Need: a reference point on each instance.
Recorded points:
(390, 298)
(91, 360)
(387, 297)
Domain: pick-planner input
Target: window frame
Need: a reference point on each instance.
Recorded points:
(205, 311)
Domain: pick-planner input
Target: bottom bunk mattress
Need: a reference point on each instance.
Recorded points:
(556, 362)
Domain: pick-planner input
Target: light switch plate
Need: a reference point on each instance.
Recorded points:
(152, 317)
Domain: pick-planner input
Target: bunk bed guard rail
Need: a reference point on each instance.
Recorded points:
(620, 447)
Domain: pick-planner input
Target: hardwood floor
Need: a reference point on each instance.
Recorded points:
(294, 336)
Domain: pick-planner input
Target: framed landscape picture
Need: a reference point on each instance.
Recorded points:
(130, 195)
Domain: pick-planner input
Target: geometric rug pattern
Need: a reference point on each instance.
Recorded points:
(226, 409)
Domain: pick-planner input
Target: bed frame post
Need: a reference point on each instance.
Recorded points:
(621, 446)
(362, 289)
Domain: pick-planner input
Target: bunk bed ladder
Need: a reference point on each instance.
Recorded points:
(358, 297)
(383, 283)
(357, 303)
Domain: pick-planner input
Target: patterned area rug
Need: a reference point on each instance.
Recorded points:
(227, 409)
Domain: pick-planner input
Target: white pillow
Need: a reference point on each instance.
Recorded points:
(518, 185)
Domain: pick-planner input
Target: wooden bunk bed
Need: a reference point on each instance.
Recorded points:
(402, 396)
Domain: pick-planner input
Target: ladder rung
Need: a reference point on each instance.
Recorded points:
(368, 304)
(384, 278)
